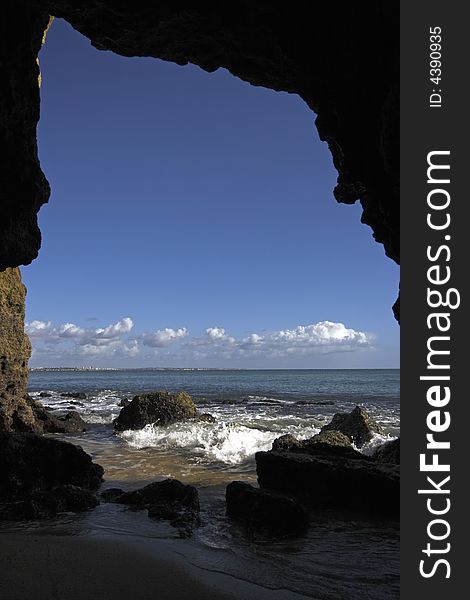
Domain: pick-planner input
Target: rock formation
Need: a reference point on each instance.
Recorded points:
(357, 425)
(70, 422)
(342, 60)
(15, 410)
(40, 477)
(326, 471)
(332, 481)
(265, 513)
(155, 408)
(169, 499)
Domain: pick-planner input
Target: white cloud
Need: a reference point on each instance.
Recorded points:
(322, 333)
(163, 337)
(216, 333)
(123, 326)
(69, 330)
(325, 336)
(37, 328)
(176, 347)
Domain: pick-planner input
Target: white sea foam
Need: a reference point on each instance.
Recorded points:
(220, 442)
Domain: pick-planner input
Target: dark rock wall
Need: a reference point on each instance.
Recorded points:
(23, 187)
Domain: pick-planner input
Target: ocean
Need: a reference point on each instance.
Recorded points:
(338, 559)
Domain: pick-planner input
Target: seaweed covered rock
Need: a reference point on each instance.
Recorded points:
(41, 476)
(158, 408)
(264, 512)
(388, 453)
(358, 425)
(167, 500)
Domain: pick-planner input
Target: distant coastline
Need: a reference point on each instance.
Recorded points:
(73, 369)
(88, 369)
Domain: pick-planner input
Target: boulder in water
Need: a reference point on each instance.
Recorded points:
(329, 443)
(169, 500)
(265, 512)
(71, 422)
(358, 425)
(158, 408)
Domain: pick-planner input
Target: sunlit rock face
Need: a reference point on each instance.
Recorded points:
(15, 349)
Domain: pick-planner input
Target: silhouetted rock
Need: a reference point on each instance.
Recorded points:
(332, 480)
(42, 504)
(358, 425)
(45, 395)
(388, 453)
(124, 402)
(168, 500)
(159, 408)
(264, 512)
(42, 476)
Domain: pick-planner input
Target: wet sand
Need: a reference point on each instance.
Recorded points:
(46, 567)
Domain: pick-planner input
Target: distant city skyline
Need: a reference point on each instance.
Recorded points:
(192, 224)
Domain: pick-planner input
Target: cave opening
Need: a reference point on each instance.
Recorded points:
(219, 245)
(218, 192)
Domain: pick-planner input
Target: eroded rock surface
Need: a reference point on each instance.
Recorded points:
(15, 410)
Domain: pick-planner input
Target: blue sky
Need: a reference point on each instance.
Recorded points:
(192, 223)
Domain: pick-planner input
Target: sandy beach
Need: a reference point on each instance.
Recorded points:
(45, 567)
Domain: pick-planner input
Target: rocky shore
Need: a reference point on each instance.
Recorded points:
(41, 476)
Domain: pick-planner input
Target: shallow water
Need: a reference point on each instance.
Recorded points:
(341, 557)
